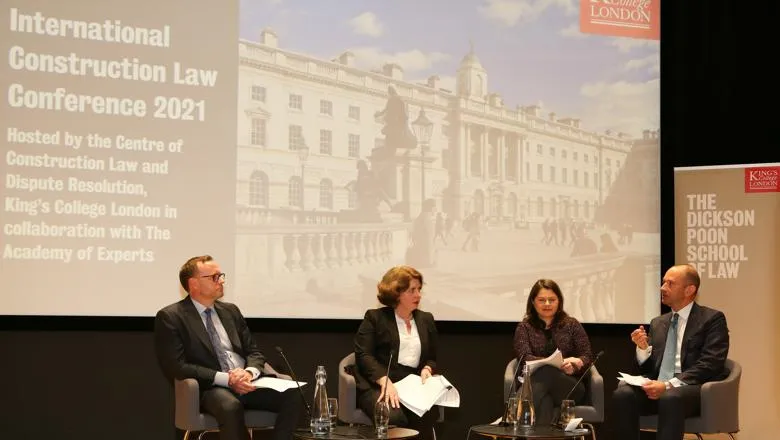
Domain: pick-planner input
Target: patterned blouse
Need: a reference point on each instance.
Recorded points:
(568, 335)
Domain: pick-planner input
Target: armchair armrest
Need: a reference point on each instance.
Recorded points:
(187, 406)
(509, 379)
(719, 401)
(597, 391)
(347, 392)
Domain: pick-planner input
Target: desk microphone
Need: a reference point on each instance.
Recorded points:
(584, 374)
(503, 421)
(387, 377)
(292, 373)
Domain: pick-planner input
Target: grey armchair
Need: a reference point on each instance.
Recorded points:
(719, 407)
(593, 409)
(348, 410)
(189, 418)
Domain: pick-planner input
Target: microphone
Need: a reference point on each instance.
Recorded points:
(584, 374)
(503, 421)
(387, 377)
(292, 373)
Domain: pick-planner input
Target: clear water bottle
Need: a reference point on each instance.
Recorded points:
(320, 415)
(526, 416)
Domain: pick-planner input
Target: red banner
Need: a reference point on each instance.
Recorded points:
(621, 18)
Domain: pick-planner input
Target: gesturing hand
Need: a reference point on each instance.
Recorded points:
(639, 337)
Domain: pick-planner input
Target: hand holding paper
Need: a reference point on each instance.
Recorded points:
(636, 381)
(555, 359)
(420, 397)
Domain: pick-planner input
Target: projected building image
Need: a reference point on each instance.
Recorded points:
(351, 163)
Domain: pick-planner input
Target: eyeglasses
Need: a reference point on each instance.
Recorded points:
(217, 277)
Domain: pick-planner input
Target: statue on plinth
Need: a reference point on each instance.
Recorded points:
(398, 133)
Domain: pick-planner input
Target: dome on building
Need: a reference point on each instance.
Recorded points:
(471, 60)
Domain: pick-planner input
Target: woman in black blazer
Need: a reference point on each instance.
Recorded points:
(405, 331)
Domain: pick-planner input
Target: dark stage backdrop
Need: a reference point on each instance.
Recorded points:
(85, 379)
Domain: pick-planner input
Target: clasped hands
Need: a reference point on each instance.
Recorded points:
(571, 365)
(240, 381)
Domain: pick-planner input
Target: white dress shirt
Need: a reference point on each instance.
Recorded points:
(410, 348)
(234, 359)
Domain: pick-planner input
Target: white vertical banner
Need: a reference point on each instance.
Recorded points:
(727, 224)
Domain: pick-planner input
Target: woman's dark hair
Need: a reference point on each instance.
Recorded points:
(530, 311)
(395, 282)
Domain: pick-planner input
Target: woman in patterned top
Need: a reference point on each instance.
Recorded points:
(545, 328)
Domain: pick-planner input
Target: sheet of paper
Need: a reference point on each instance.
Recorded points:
(420, 398)
(573, 424)
(555, 359)
(275, 383)
(636, 381)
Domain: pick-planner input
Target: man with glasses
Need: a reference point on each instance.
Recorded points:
(206, 339)
(684, 349)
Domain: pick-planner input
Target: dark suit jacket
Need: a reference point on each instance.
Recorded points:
(184, 349)
(378, 335)
(704, 348)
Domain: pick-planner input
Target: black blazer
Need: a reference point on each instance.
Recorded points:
(705, 346)
(184, 349)
(378, 335)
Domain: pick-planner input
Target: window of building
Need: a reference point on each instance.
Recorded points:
(540, 173)
(296, 101)
(258, 189)
(326, 142)
(354, 113)
(296, 137)
(258, 93)
(326, 107)
(257, 132)
(354, 145)
(326, 194)
(295, 192)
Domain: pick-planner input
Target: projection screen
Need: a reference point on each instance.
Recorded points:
(309, 146)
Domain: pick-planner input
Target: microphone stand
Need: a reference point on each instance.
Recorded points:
(584, 374)
(387, 377)
(292, 374)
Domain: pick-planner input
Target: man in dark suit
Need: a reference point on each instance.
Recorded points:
(686, 348)
(202, 338)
